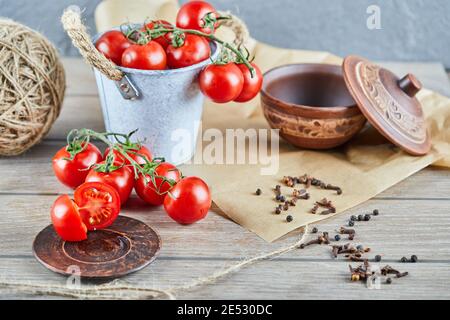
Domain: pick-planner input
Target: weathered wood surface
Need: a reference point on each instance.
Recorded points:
(414, 219)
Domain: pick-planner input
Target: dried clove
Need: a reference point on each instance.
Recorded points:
(343, 230)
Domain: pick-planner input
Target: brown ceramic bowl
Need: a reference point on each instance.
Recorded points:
(311, 105)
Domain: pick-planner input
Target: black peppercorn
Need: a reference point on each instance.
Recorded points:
(360, 247)
(414, 258)
(314, 230)
(289, 218)
(351, 223)
(403, 259)
(278, 197)
(388, 280)
(375, 212)
(277, 210)
(337, 237)
(360, 217)
(367, 217)
(286, 207)
(282, 198)
(258, 192)
(353, 218)
(377, 258)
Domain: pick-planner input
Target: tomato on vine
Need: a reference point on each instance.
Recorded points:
(116, 175)
(189, 200)
(197, 15)
(71, 163)
(221, 82)
(165, 39)
(112, 44)
(154, 190)
(149, 56)
(252, 84)
(192, 50)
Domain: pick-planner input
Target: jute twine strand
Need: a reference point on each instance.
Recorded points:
(32, 85)
(120, 290)
(239, 28)
(71, 21)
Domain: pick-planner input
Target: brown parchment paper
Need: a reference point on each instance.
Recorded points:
(363, 168)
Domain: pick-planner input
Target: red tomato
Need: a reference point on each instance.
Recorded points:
(154, 193)
(251, 85)
(98, 204)
(188, 201)
(191, 14)
(150, 56)
(136, 154)
(121, 179)
(221, 83)
(112, 44)
(194, 50)
(164, 40)
(72, 173)
(67, 220)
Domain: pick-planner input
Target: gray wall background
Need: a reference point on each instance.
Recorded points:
(411, 30)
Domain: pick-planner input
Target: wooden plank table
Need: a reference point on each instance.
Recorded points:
(414, 219)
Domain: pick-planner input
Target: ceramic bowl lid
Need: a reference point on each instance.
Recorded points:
(389, 103)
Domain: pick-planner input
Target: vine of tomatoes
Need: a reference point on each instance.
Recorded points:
(104, 184)
(160, 45)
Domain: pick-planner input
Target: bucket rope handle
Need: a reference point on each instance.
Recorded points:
(73, 25)
(71, 21)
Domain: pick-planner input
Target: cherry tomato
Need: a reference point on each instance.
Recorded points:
(164, 40)
(154, 193)
(121, 179)
(191, 14)
(135, 154)
(194, 50)
(67, 220)
(150, 56)
(189, 200)
(221, 82)
(112, 44)
(251, 85)
(98, 204)
(72, 173)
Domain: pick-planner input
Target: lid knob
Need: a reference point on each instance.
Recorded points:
(410, 85)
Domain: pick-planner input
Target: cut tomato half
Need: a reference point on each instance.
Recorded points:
(67, 220)
(98, 204)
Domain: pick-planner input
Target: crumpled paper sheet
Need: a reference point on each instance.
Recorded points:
(363, 168)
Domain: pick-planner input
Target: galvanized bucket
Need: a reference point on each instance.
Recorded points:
(164, 105)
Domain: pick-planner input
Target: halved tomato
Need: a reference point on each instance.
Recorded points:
(98, 204)
(67, 220)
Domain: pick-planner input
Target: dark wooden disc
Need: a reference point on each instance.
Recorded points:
(128, 245)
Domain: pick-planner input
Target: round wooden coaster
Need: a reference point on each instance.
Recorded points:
(128, 245)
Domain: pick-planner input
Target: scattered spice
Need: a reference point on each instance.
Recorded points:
(388, 281)
(367, 217)
(360, 217)
(289, 218)
(277, 210)
(377, 258)
(414, 258)
(337, 237)
(351, 223)
(353, 218)
(403, 259)
(314, 230)
(258, 192)
(375, 212)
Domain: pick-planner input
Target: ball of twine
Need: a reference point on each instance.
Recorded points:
(32, 85)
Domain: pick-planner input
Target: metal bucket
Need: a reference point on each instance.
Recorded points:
(168, 107)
